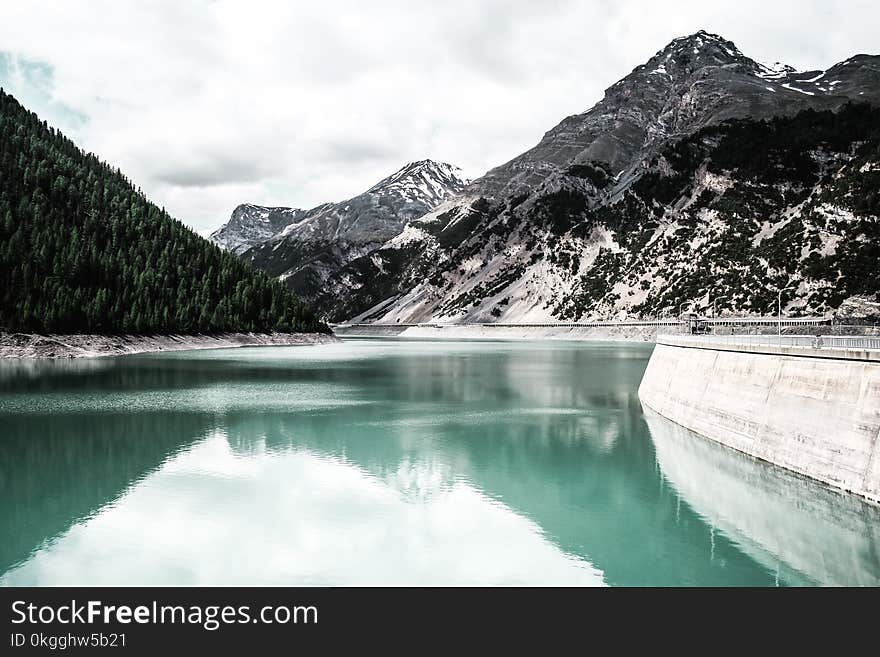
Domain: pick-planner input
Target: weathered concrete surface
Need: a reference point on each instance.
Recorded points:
(819, 417)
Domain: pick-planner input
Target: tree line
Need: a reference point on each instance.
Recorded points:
(83, 251)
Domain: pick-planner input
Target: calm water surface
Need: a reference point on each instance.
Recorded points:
(393, 462)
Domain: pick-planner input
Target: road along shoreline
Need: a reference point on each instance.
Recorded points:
(491, 332)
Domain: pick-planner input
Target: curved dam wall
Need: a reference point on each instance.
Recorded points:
(815, 412)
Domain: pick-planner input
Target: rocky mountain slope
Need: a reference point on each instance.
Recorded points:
(305, 247)
(701, 175)
(251, 224)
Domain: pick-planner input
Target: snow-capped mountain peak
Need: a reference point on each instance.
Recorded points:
(409, 192)
(704, 49)
(704, 44)
(318, 243)
(425, 181)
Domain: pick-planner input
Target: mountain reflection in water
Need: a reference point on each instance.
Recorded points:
(388, 462)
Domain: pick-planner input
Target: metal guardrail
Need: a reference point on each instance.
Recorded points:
(660, 322)
(765, 321)
(848, 342)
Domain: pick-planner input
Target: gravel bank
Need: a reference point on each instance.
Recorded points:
(25, 345)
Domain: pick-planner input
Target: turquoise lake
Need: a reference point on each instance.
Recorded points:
(382, 461)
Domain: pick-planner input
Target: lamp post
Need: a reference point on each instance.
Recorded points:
(779, 309)
(715, 312)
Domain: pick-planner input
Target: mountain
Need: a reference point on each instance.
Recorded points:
(83, 251)
(305, 248)
(701, 174)
(693, 82)
(251, 224)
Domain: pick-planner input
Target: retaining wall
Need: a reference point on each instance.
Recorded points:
(813, 412)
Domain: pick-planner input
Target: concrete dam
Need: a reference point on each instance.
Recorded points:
(813, 409)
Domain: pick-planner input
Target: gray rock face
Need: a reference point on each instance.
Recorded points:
(306, 247)
(619, 211)
(693, 82)
(251, 224)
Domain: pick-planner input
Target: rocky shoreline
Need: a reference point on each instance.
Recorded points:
(28, 345)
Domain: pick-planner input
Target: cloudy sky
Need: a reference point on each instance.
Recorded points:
(207, 104)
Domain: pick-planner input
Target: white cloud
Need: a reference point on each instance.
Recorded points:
(208, 104)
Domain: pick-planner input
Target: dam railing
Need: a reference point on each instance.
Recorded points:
(847, 342)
